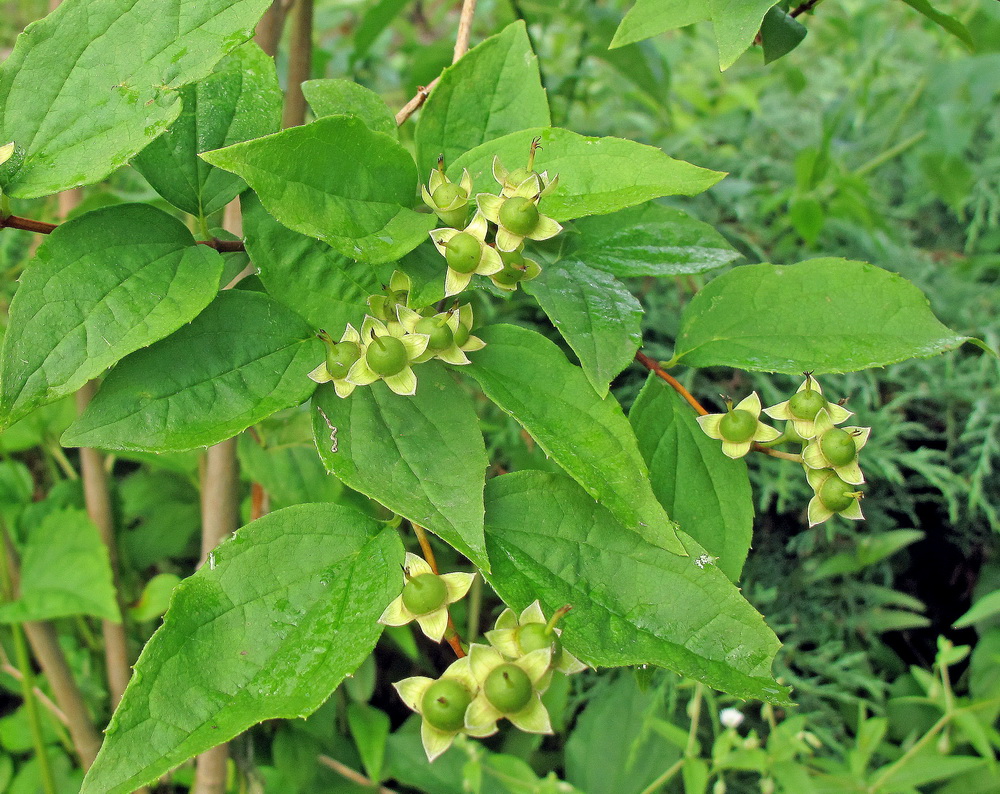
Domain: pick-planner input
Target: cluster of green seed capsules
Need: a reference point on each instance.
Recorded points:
(393, 338)
(491, 243)
(502, 680)
(829, 453)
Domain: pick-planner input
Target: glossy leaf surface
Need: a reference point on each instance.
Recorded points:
(242, 359)
(421, 456)
(93, 83)
(633, 602)
(338, 181)
(822, 315)
(293, 598)
(102, 286)
(592, 180)
(529, 378)
(595, 313)
(705, 492)
(347, 98)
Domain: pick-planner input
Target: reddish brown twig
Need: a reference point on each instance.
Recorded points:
(425, 546)
(675, 384)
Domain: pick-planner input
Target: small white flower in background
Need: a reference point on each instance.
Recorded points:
(731, 718)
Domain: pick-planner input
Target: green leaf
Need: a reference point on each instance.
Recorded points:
(89, 86)
(595, 313)
(822, 315)
(338, 181)
(240, 101)
(736, 25)
(421, 456)
(64, 571)
(493, 90)
(103, 285)
(347, 98)
(592, 180)
(291, 474)
(243, 358)
(529, 378)
(370, 731)
(986, 607)
(648, 18)
(946, 21)
(649, 240)
(633, 602)
(323, 286)
(705, 492)
(281, 613)
(780, 33)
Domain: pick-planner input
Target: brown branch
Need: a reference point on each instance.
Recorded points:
(270, 27)
(675, 384)
(451, 633)
(804, 8)
(353, 775)
(42, 227)
(461, 47)
(299, 64)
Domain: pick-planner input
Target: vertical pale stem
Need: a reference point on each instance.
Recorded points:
(270, 27)
(299, 64)
(220, 515)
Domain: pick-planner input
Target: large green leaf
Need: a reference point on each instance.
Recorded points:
(338, 181)
(592, 180)
(952, 24)
(243, 358)
(421, 456)
(275, 620)
(103, 285)
(64, 571)
(651, 240)
(736, 24)
(633, 602)
(822, 315)
(347, 98)
(780, 33)
(493, 90)
(705, 492)
(649, 18)
(89, 86)
(529, 378)
(239, 102)
(325, 287)
(595, 313)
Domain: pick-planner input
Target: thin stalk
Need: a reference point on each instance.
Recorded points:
(475, 608)
(27, 681)
(299, 64)
(451, 633)
(890, 153)
(270, 27)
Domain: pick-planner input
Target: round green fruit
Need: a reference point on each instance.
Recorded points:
(438, 331)
(424, 593)
(508, 688)
(444, 195)
(519, 215)
(386, 356)
(532, 636)
(738, 426)
(340, 357)
(518, 175)
(462, 335)
(838, 446)
(836, 494)
(444, 704)
(463, 252)
(806, 404)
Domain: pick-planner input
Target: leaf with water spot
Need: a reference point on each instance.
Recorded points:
(282, 613)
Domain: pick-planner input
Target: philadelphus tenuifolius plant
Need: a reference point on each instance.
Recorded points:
(426, 597)
(829, 454)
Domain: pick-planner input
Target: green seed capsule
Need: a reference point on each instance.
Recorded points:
(386, 355)
(424, 593)
(532, 636)
(444, 704)
(519, 215)
(462, 335)
(340, 357)
(738, 426)
(446, 193)
(806, 404)
(508, 688)
(836, 494)
(518, 175)
(463, 252)
(838, 446)
(438, 330)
